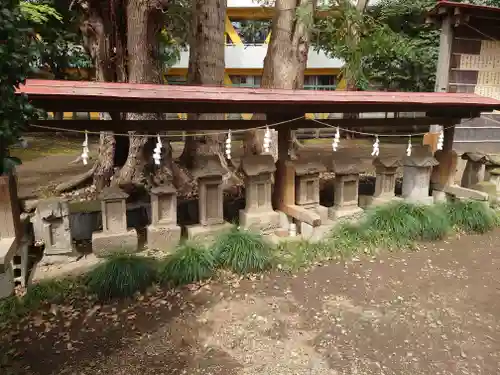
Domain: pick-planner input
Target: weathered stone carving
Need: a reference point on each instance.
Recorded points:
(209, 172)
(473, 167)
(258, 213)
(346, 190)
(115, 237)
(385, 183)
(163, 233)
(51, 225)
(416, 176)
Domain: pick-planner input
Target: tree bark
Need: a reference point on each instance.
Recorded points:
(206, 67)
(286, 58)
(143, 26)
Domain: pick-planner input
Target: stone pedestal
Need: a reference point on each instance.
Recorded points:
(163, 233)
(115, 237)
(494, 178)
(492, 163)
(346, 191)
(416, 177)
(51, 225)
(208, 171)
(307, 191)
(473, 168)
(385, 183)
(258, 213)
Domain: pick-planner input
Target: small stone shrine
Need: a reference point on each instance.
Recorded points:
(346, 190)
(473, 168)
(209, 172)
(307, 187)
(385, 182)
(258, 213)
(115, 237)
(417, 174)
(163, 233)
(51, 226)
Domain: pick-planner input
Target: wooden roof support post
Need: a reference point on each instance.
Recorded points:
(443, 64)
(443, 174)
(284, 186)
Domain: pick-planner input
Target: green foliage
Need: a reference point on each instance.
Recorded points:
(38, 13)
(17, 54)
(242, 251)
(57, 27)
(409, 222)
(188, 264)
(389, 46)
(121, 276)
(471, 216)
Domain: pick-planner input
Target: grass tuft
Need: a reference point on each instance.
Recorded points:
(471, 216)
(121, 276)
(188, 264)
(50, 291)
(242, 251)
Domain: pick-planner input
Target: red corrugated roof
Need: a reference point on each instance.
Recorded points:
(453, 4)
(141, 92)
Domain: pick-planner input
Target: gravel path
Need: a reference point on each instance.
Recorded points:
(433, 311)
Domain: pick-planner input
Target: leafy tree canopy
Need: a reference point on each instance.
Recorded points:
(18, 51)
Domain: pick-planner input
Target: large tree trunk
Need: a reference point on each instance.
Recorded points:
(143, 27)
(104, 33)
(206, 67)
(286, 58)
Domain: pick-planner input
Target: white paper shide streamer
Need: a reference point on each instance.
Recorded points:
(376, 149)
(85, 151)
(157, 151)
(336, 140)
(440, 141)
(408, 149)
(228, 145)
(267, 140)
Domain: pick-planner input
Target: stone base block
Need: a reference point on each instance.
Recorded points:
(6, 284)
(259, 221)
(206, 233)
(488, 189)
(322, 211)
(315, 234)
(336, 212)
(420, 200)
(366, 201)
(106, 244)
(163, 238)
(439, 196)
(481, 192)
(284, 221)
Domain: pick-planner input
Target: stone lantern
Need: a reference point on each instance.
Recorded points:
(115, 237)
(258, 213)
(163, 233)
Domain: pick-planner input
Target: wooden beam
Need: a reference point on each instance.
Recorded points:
(182, 125)
(302, 214)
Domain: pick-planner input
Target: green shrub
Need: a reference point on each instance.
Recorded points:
(471, 216)
(188, 264)
(121, 276)
(402, 223)
(242, 251)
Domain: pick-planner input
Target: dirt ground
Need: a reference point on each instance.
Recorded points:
(432, 311)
